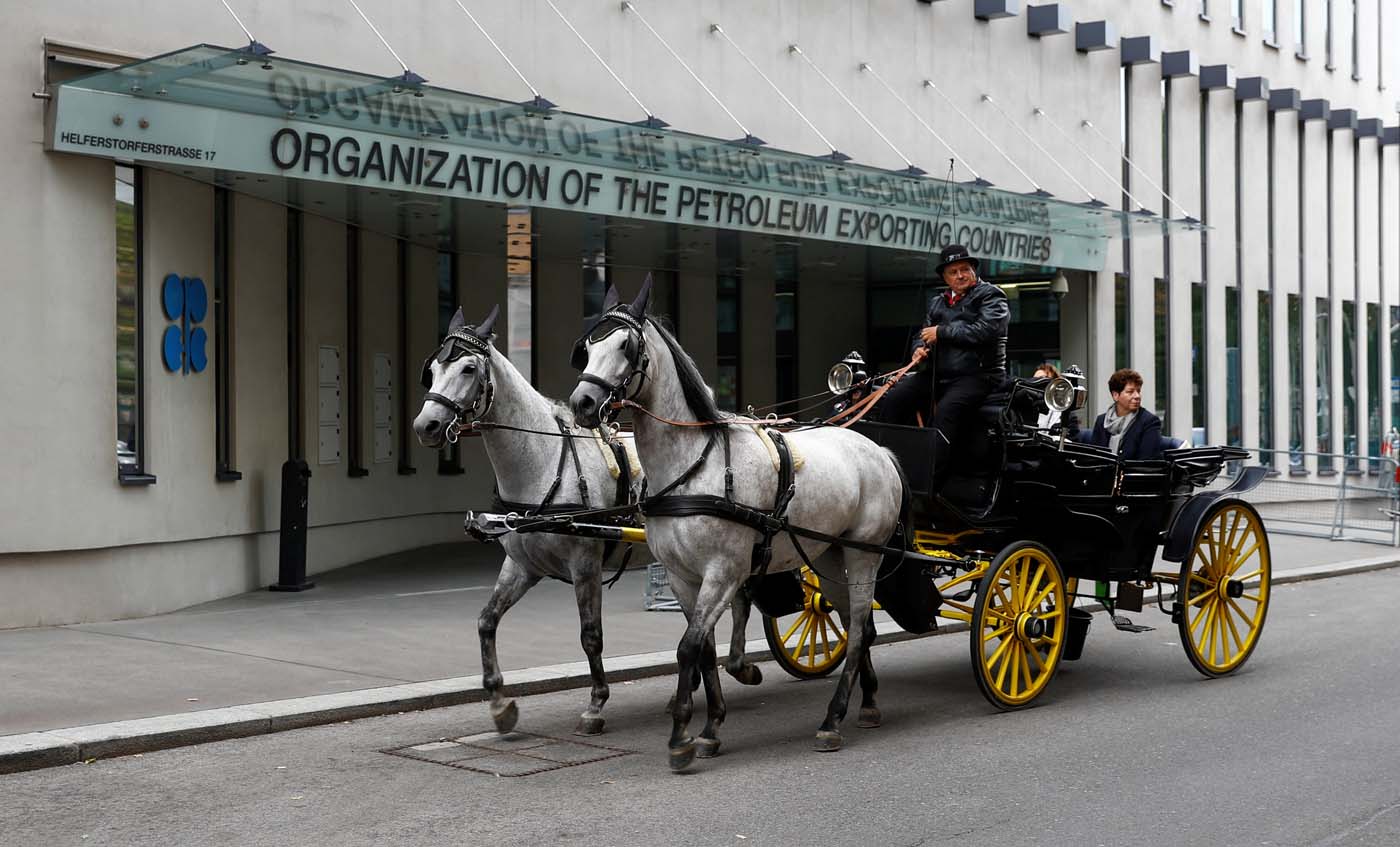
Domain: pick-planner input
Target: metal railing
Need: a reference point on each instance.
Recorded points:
(1340, 496)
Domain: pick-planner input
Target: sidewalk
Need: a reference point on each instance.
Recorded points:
(382, 636)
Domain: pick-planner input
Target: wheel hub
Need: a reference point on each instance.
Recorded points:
(1029, 627)
(1234, 588)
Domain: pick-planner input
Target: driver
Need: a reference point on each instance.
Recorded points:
(965, 331)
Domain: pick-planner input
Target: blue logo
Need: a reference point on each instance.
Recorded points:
(185, 300)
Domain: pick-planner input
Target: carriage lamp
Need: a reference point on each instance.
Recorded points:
(1061, 395)
(839, 378)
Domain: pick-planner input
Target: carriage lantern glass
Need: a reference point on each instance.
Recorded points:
(1063, 394)
(838, 379)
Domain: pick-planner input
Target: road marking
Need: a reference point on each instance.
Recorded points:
(444, 591)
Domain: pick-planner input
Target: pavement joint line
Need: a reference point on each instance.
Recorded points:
(221, 650)
(66, 746)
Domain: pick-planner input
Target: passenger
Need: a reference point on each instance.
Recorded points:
(1126, 428)
(1050, 418)
(966, 330)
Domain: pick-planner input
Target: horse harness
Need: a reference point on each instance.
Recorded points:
(462, 341)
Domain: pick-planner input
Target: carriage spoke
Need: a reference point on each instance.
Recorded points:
(1199, 598)
(1026, 650)
(1251, 575)
(812, 643)
(998, 590)
(795, 624)
(1034, 653)
(801, 639)
(999, 657)
(1242, 558)
(998, 633)
(1229, 623)
(1246, 618)
(1040, 596)
(1234, 527)
(1015, 663)
(1206, 613)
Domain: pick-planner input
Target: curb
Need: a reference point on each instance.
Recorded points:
(52, 748)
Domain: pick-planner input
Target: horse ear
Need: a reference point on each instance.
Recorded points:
(639, 306)
(612, 298)
(483, 330)
(457, 321)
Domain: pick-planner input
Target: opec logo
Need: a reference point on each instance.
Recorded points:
(184, 300)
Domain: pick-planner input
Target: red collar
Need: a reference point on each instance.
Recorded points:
(954, 297)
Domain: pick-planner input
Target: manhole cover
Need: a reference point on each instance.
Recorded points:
(509, 754)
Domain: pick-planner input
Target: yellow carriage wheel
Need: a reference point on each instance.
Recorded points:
(1223, 589)
(812, 642)
(1018, 625)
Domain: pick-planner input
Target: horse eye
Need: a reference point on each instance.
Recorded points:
(470, 368)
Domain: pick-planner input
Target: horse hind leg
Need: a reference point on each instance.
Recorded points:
(861, 569)
(738, 664)
(588, 592)
(869, 712)
(707, 745)
(511, 585)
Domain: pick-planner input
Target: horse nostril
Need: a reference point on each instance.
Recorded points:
(432, 426)
(586, 403)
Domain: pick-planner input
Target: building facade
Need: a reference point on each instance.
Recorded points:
(223, 258)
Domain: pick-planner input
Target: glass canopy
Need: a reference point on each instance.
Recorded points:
(240, 112)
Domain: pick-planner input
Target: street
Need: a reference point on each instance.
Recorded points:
(1130, 746)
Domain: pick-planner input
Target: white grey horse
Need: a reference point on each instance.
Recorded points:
(848, 487)
(470, 380)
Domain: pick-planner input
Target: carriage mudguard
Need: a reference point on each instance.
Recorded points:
(1186, 526)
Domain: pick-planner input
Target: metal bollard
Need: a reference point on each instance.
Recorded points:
(291, 551)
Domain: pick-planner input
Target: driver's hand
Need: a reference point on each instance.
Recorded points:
(929, 334)
(920, 353)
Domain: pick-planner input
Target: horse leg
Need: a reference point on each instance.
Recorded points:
(707, 745)
(588, 592)
(511, 585)
(869, 712)
(860, 570)
(738, 664)
(703, 606)
(694, 687)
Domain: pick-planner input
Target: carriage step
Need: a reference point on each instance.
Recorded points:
(1124, 624)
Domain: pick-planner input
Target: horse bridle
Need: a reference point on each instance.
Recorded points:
(616, 319)
(459, 343)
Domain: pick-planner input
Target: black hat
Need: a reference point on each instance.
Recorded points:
(954, 253)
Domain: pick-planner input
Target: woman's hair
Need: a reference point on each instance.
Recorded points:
(1049, 369)
(1122, 378)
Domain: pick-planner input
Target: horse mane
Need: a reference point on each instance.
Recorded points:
(698, 395)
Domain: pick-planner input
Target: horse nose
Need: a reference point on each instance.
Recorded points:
(584, 405)
(432, 426)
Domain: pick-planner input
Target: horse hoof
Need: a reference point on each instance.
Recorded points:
(681, 756)
(748, 675)
(869, 717)
(706, 748)
(506, 716)
(589, 726)
(827, 741)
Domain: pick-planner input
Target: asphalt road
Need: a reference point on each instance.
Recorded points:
(1129, 747)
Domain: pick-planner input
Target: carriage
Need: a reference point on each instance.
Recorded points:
(1028, 519)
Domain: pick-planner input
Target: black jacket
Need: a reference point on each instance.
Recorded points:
(971, 334)
(1143, 440)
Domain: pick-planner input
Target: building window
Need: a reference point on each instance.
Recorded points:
(1265, 322)
(785, 340)
(1394, 366)
(1348, 443)
(1122, 322)
(224, 470)
(131, 442)
(595, 269)
(1373, 383)
(1234, 392)
(1296, 447)
(1161, 326)
(1270, 21)
(406, 467)
(1237, 14)
(728, 321)
(520, 289)
(448, 302)
(1198, 363)
(1323, 324)
(1300, 27)
(1327, 33)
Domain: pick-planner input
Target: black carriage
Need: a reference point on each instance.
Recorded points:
(1030, 517)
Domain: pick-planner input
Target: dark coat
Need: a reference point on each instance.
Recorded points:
(1143, 440)
(971, 334)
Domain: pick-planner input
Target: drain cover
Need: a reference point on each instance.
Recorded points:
(509, 754)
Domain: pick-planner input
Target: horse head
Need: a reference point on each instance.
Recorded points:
(458, 381)
(611, 358)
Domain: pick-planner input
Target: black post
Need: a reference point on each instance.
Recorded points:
(291, 554)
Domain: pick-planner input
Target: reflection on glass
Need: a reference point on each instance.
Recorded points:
(128, 422)
(1270, 19)
(1264, 319)
(1323, 323)
(1234, 412)
(450, 456)
(1121, 323)
(1295, 381)
(1161, 324)
(1198, 363)
(595, 269)
(727, 338)
(785, 341)
(1349, 444)
(1373, 383)
(520, 268)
